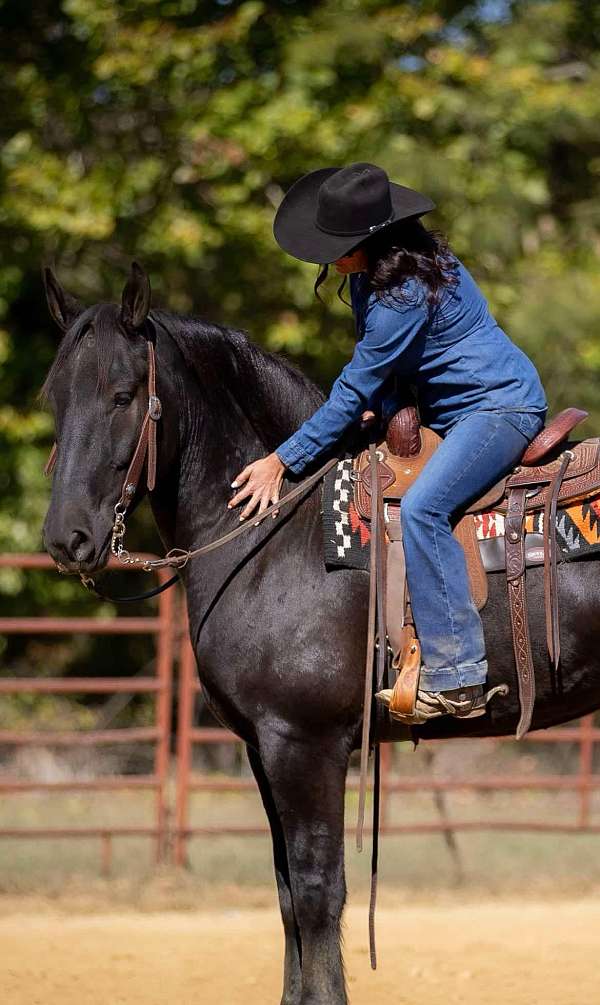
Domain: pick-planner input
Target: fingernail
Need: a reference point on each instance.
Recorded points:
(234, 485)
(241, 517)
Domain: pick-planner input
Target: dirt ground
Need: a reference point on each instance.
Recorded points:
(478, 954)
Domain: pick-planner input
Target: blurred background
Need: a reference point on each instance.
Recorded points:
(168, 131)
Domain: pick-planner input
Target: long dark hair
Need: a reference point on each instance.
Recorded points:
(398, 252)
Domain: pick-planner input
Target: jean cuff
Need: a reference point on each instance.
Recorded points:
(447, 678)
(293, 456)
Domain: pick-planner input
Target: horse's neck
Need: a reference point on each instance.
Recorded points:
(210, 460)
(190, 504)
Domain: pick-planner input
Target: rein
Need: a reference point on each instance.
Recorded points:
(176, 558)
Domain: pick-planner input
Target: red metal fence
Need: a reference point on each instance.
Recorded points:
(166, 629)
(159, 685)
(582, 782)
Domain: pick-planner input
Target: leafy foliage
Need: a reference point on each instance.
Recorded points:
(168, 130)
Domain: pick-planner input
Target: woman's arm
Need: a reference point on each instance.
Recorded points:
(389, 330)
(388, 333)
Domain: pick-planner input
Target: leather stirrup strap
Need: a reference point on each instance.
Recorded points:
(381, 574)
(396, 587)
(368, 689)
(550, 562)
(517, 600)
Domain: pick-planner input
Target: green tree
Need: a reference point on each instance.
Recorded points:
(168, 130)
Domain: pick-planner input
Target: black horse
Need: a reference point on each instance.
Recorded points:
(280, 642)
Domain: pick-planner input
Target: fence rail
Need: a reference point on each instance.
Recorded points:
(171, 826)
(162, 628)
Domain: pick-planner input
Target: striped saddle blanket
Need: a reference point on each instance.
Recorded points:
(346, 535)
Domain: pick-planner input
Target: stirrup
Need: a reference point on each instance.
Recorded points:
(463, 703)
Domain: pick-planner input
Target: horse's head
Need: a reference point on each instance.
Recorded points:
(98, 391)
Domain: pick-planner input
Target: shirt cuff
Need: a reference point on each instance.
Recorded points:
(292, 455)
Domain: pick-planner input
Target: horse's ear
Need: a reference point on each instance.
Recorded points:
(62, 306)
(135, 302)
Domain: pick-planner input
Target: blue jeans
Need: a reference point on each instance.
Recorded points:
(477, 451)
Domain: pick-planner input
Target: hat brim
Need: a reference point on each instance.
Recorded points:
(296, 231)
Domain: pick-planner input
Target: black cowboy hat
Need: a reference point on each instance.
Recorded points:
(329, 211)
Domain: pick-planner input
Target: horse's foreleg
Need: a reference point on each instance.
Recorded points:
(307, 780)
(292, 979)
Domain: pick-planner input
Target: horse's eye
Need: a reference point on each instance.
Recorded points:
(123, 399)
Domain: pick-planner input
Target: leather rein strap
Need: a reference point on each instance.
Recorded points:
(371, 625)
(376, 623)
(177, 558)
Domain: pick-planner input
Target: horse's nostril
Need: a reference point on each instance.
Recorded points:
(81, 546)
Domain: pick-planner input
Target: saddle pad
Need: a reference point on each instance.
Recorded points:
(346, 535)
(577, 526)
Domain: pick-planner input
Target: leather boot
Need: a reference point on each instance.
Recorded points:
(466, 702)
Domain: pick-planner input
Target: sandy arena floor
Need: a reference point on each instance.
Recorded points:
(479, 954)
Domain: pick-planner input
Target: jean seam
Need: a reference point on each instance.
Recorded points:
(455, 640)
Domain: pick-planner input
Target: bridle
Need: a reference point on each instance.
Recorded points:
(145, 453)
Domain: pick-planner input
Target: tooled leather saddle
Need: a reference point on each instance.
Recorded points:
(552, 470)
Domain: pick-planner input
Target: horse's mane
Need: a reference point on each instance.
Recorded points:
(274, 395)
(104, 318)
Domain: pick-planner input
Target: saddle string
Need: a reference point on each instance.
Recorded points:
(550, 561)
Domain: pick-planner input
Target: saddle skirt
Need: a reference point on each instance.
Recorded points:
(396, 474)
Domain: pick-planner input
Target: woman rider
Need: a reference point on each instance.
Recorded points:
(423, 321)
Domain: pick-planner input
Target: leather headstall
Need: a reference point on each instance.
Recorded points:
(146, 444)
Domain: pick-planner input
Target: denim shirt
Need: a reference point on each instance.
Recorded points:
(454, 355)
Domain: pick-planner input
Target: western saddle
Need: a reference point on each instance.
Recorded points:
(552, 470)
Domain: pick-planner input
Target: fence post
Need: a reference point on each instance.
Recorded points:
(586, 753)
(164, 697)
(186, 691)
(159, 685)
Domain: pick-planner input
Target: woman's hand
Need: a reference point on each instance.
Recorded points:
(261, 481)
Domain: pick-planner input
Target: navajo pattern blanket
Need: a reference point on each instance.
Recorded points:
(346, 535)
